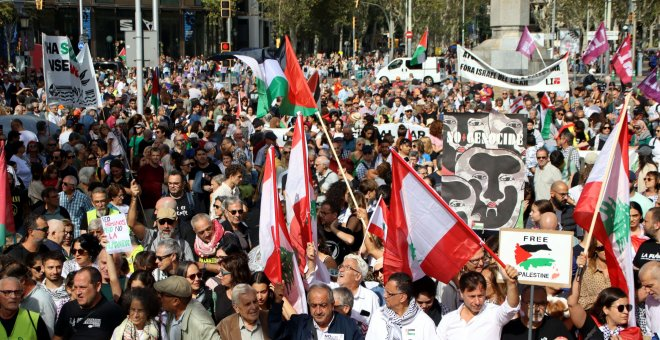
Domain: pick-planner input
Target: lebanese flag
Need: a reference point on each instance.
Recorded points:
(420, 53)
(6, 205)
(299, 97)
(622, 61)
(547, 107)
(155, 90)
(378, 222)
(277, 255)
(517, 105)
(297, 193)
(425, 237)
(608, 183)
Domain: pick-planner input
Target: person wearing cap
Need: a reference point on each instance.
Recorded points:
(89, 315)
(135, 140)
(407, 116)
(166, 223)
(186, 318)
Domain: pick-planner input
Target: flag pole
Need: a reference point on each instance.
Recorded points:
(341, 168)
(539, 53)
(608, 169)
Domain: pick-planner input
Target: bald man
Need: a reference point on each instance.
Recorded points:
(649, 276)
(564, 207)
(55, 236)
(548, 221)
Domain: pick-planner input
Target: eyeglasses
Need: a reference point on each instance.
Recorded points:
(174, 183)
(349, 268)
(483, 259)
(541, 157)
(36, 268)
(389, 295)
(186, 164)
(648, 179)
(68, 184)
(78, 251)
(164, 221)
(11, 292)
(235, 212)
(600, 248)
(194, 276)
(70, 232)
(637, 128)
(620, 308)
(161, 258)
(45, 230)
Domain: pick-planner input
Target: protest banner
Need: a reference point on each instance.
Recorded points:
(550, 79)
(542, 257)
(116, 231)
(483, 170)
(70, 79)
(417, 131)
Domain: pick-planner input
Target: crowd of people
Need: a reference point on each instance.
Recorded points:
(186, 175)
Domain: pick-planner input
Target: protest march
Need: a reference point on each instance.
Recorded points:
(263, 194)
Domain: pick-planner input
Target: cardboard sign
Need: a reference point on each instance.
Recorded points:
(116, 231)
(542, 257)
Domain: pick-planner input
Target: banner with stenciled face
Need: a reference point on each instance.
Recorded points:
(483, 168)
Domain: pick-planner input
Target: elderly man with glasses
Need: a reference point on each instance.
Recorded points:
(544, 175)
(27, 324)
(75, 202)
(233, 211)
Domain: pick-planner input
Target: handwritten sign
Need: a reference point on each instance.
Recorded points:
(542, 257)
(116, 231)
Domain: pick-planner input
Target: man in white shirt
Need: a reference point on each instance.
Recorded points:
(351, 274)
(649, 275)
(476, 319)
(401, 317)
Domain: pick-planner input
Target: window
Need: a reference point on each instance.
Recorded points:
(395, 64)
(416, 67)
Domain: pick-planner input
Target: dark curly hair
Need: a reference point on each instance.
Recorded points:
(89, 243)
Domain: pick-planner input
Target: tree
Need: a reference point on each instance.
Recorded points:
(290, 17)
(8, 23)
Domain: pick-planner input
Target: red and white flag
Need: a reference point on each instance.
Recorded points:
(425, 237)
(608, 183)
(622, 61)
(238, 107)
(597, 46)
(378, 222)
(6, 205)
(297, 195)
(526, 45)
(409, 135)
(517, 105)
(278, 257)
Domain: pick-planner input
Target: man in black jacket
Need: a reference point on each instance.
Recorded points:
(322, 318)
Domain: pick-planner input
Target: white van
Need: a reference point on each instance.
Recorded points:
(431, 71)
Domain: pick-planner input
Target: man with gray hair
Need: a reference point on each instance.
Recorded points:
(248, 322)
(325, 176)
(234, 222)
(649, 276)
(17, 321)
(74, 201)
(352, 272)
(168, 256)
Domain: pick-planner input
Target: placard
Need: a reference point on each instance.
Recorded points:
(116, 232)
(542, 257)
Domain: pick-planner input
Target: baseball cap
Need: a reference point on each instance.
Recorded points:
(177, 286)
(166, 213)
(408, 108)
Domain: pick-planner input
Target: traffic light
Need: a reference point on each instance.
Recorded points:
(225, 47)
(39, 4)
(225, 9)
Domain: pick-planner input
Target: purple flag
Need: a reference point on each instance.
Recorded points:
(526, 45)
(650, 86)
(597, 46)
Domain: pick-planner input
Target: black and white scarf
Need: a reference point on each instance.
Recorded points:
(394, 322)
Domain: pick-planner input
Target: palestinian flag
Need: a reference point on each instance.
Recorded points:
(546, 110)
(420, 53)
(6, 205)
(299, 97)
(605, 205)
(270, 80)
(122, 54)
(532, 255)
(155, 90)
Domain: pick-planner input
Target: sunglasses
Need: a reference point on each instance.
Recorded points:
(45, 230)
(164, 221)
(542, 157)
(600, 248)
(224, 272)
(36, 268)
(216, 206)
(235, 212)
(161, 258)
(194, 276)
(607, 127)
(621, 308)
(78, 251)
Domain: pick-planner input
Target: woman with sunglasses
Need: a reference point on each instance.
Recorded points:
(642, 135)
(598, 141)
(652, 181)
(86, 248)
(233, 270)
(200, 292)
(35, 263)
(608, 317)
(646, 165)
(596, 275)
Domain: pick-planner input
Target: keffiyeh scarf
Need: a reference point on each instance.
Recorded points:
(204, 249)
(608, 333)
(150, 331)
(395, 322)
